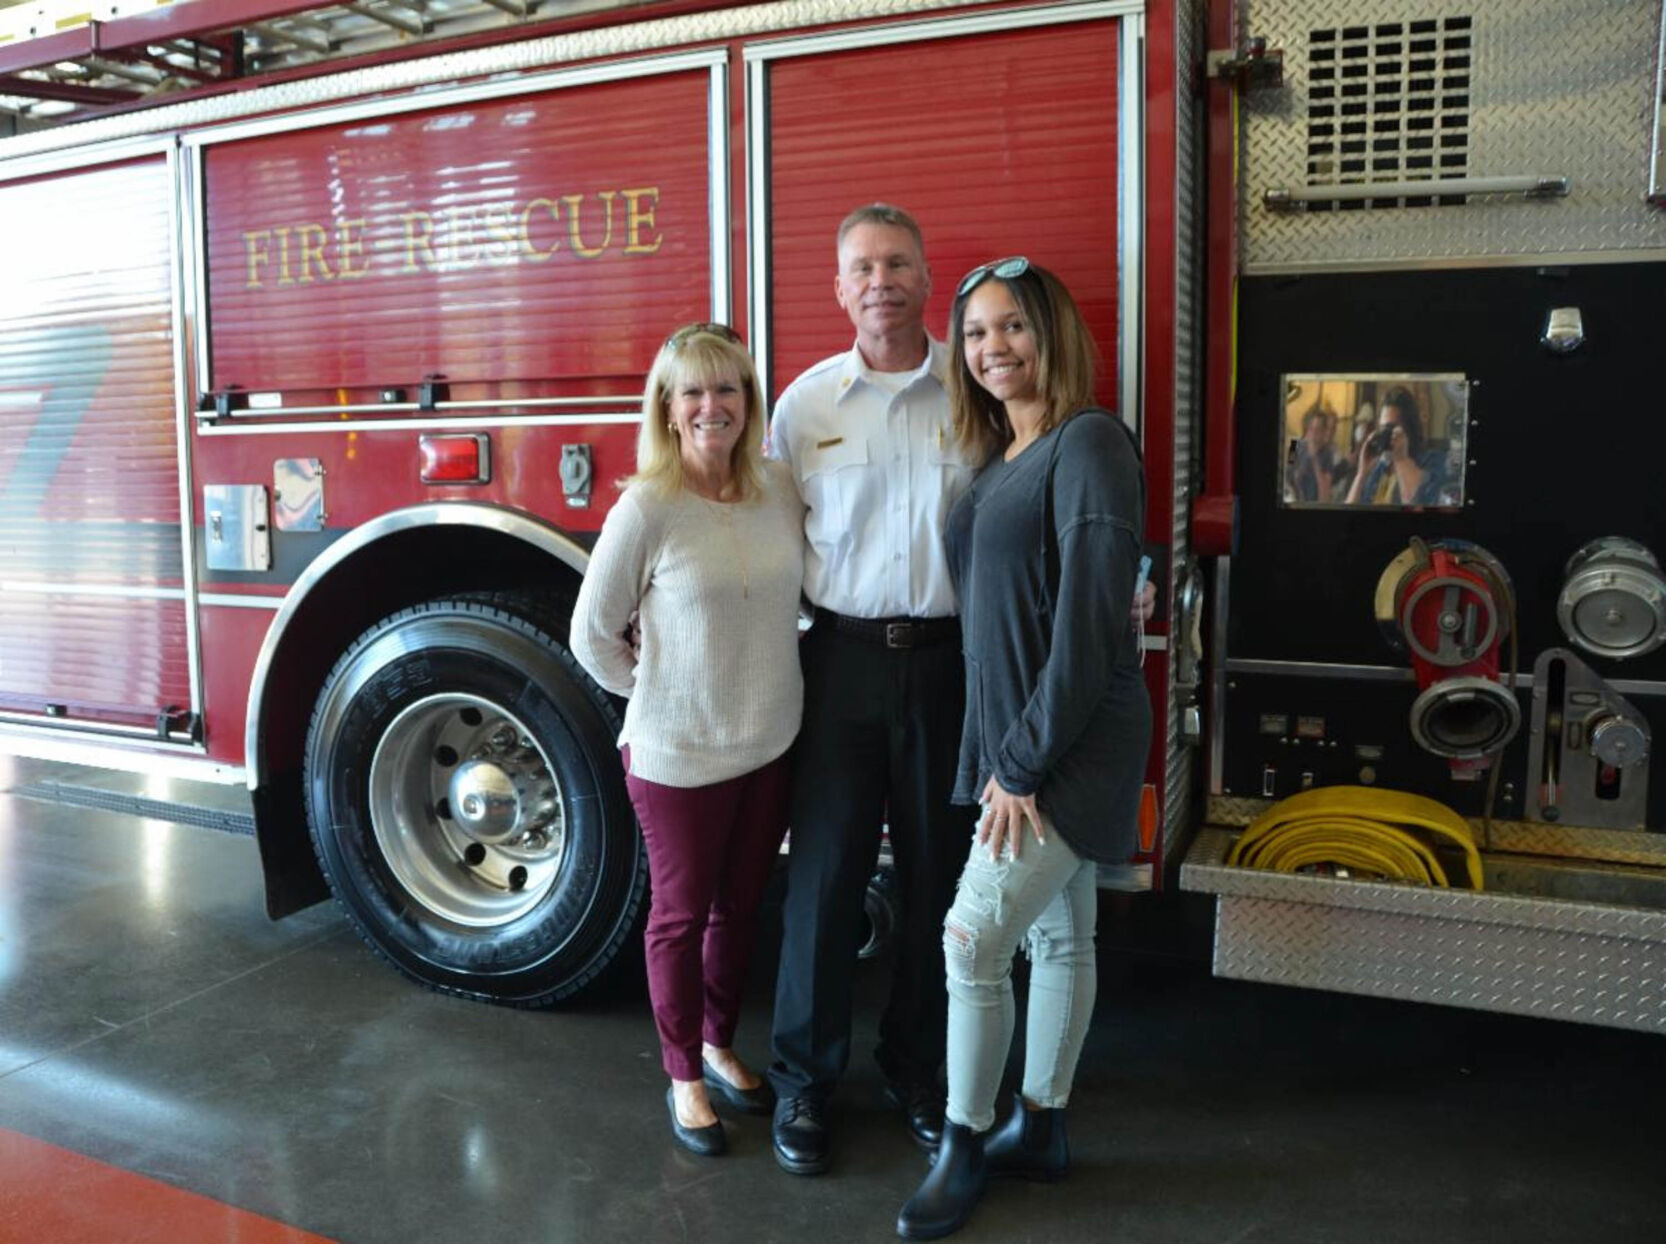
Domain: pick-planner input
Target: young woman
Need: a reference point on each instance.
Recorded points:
(703, 558)
(1044, 551)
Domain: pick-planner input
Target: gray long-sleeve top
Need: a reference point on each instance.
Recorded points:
(1056, 705)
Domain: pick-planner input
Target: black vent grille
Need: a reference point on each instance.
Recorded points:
(1389, 102)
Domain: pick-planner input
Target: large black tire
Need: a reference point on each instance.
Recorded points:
(529, 888)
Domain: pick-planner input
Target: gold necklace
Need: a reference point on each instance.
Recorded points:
(726, 519)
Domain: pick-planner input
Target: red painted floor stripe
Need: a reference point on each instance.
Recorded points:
(51, 1194)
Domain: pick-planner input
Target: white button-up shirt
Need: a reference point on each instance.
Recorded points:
(874, 458)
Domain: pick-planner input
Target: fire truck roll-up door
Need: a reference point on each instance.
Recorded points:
(1021, 114)
(89, 456)
(1488, 627)
(1018, 132)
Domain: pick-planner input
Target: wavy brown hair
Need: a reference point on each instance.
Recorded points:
(1067, 363)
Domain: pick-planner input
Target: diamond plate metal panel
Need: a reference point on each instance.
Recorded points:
(1206, 870)
(1179, 762)
(1616, 846)
(1614, 982)
(1586, 962)
(1237, 810)
(1557, 88)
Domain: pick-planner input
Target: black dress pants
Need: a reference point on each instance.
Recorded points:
(879, 745)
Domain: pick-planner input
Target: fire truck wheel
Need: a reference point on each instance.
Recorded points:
(467, 803)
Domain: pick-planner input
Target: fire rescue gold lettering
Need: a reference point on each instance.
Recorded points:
(455, 247)
(503, 230)
(285, 277)
(456, 238)
(529, 248)
(573, 230)
(637, 216)
(414, 238)
(347, 246)
(313, 241)
(256, 250)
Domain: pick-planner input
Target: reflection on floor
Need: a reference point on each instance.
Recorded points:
(51, 1194)
(153, 1020)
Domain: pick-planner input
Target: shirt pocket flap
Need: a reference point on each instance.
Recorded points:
(842, 452)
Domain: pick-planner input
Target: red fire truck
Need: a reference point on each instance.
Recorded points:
(324, 335)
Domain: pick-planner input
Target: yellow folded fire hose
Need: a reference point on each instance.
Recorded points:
(1383, 833)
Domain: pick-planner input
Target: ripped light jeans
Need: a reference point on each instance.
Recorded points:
(1047, 897)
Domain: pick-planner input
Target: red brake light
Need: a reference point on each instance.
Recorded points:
(455, 459)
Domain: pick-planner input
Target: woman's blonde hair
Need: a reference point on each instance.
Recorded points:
(1066, 362)
(702, 356)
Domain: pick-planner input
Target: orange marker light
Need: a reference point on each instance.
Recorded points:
(1148, 817)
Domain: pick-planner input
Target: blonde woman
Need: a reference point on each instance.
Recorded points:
(705, 549)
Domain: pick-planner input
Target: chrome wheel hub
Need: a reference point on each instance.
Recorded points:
(467, 810)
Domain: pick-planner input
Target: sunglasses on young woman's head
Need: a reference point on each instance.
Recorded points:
(675, 341)
(1006, 269)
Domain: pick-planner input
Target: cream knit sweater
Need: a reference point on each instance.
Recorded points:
(716, 691)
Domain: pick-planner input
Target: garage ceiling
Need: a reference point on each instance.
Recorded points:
(62, 60)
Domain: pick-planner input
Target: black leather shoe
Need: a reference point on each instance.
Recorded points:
(1030, 1145)
(757, 1100)
(921, 1104)
(950, 1191)
(800, 1135)
(708, 1141)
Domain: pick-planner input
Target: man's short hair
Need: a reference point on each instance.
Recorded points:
(881, 214)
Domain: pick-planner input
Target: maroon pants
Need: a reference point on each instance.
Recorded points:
(710, 852)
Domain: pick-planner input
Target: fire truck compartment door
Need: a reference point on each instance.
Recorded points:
(1036, 155)
(527, 239)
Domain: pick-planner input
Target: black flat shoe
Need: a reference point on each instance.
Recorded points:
(708, 1141)
(757, 1100)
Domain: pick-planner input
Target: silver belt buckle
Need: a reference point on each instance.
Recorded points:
(899, 634)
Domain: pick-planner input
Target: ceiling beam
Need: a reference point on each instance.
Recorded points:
(184, 19)
(36, 88)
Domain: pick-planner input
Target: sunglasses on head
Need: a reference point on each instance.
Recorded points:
(675, 341)
(1006, 269)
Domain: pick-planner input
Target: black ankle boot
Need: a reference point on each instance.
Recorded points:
(943, 1202)
(1029, 1145)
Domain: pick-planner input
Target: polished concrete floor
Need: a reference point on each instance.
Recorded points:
(153, 1021)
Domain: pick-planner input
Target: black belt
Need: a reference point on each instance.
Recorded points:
(894, 632)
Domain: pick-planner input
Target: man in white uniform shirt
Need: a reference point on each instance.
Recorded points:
(868, 437)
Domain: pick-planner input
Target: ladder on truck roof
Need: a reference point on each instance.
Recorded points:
(65, 60)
